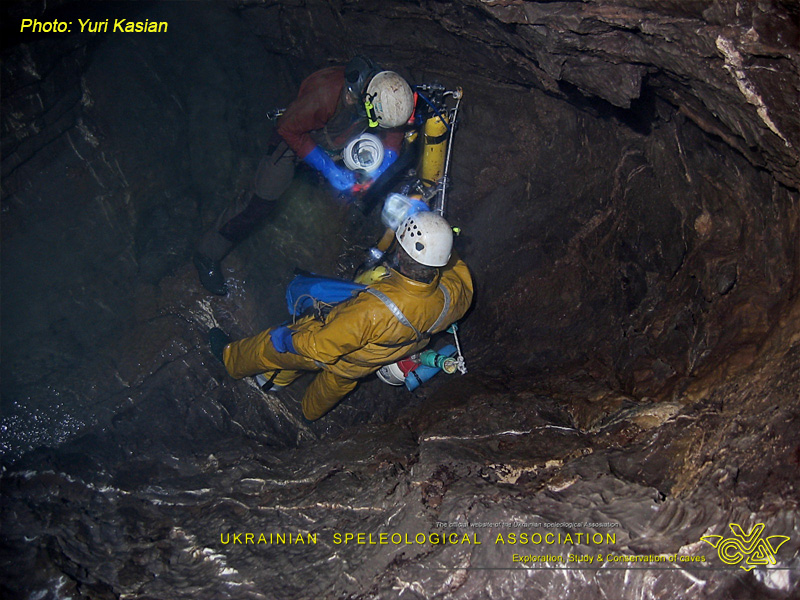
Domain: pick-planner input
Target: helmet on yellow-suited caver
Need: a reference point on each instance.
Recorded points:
(427, 238)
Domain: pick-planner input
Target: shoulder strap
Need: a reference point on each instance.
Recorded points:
(395, 310)
(445, 309)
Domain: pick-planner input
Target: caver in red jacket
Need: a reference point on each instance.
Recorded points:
(321, 116)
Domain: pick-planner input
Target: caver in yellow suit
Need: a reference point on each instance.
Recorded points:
(364, 333)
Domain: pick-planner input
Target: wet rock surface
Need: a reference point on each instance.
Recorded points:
(626, 179)
(159, 494)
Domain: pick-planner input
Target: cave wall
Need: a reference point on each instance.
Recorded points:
(703, 248)
(635, 259)
(633, 348)
(117, 153)
(731, 66)
(633, 244)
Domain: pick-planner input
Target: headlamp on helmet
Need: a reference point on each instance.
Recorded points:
(389, 101)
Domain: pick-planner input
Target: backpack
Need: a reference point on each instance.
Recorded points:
(309, 292)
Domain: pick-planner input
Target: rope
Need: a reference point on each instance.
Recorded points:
(318, 305)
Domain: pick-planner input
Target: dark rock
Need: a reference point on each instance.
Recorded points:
(626, 179)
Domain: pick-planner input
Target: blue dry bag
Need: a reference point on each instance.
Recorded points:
(307, 291)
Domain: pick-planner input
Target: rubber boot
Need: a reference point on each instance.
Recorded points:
(237, 221)
(210, 273)
(213, 247)
(218, 339)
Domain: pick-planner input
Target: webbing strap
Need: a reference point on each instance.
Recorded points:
(395, 310)
(445, 309)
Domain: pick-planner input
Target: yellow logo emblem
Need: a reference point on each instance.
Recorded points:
(750, 545)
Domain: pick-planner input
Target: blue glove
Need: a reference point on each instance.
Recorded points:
(389, 156)
(282, 339)
(341, 179)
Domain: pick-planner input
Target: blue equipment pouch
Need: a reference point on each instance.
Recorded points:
(309, 292)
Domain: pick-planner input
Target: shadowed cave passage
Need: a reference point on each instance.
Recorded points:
(626, 178)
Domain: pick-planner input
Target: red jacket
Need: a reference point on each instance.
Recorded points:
(316, 117)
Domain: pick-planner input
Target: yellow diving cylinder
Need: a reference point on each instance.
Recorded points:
(434, 151)
(386, 241)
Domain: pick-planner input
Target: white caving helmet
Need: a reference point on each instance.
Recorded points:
(391, 98)
(427, 238)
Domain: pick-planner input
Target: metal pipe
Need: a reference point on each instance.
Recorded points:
(454, 116)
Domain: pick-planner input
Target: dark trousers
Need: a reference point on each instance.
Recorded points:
(250, 209)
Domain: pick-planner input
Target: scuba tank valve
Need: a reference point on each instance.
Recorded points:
(424, 372)
(430, 358)
(374, 256)
(461, 364)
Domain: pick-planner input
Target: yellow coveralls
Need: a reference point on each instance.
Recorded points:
(357, 337)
